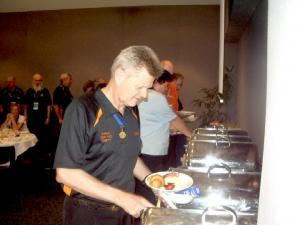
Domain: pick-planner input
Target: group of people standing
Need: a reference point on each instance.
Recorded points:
(33, 109)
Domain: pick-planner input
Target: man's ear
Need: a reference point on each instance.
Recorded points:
(120, 75)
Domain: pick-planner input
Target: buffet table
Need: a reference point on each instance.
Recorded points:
(223, 185)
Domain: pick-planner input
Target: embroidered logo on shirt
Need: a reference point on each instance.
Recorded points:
(98, 116)
(105, 136)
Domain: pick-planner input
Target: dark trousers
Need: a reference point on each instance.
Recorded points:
(176, 150)
(84, 213)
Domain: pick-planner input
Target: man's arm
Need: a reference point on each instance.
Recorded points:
(141, 170)
(47, 121)
(178, 124)
(57, 111)
(86, 184)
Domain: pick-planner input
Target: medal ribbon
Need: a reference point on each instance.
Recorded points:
(120, 122)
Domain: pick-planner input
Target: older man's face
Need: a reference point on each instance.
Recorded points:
(37, 81)
(134, 87)
(67, 82)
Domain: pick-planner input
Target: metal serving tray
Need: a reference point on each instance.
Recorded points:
(221, 177)
(239, 191)
(221, 215)
(238, 156)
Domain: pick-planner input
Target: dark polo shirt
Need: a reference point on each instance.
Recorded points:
(8, 96)
(89, 140)
(62, 96)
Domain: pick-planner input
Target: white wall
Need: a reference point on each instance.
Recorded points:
(84, 43)
(279, 195)
(252, 76)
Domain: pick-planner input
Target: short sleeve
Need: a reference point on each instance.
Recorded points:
(57, 96)
(21, 119)
(47, 97)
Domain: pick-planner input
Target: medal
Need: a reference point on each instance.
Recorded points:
(120, 122)
(122, 134)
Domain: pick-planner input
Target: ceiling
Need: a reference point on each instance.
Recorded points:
(240, 11)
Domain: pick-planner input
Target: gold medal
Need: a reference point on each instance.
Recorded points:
(122, 134)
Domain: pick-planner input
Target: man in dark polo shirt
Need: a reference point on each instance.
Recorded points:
(62, 96)
(10, 94)
(97, 154)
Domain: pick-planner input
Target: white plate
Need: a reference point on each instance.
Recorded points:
(191, 118)
(185, 113)
(184, 181)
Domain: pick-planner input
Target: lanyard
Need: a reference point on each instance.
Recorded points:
(37, 94)
(120, 122)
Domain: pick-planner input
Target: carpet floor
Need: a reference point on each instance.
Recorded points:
(30, 196)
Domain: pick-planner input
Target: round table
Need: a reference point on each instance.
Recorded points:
(21, 143)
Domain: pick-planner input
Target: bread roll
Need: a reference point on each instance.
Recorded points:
(156, 181)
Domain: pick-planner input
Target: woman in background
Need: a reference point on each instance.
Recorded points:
(14, 120)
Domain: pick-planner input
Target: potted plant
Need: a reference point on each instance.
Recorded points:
(211, 108)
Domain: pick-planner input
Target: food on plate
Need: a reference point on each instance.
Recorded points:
(171, 178)
(169, 181)
(169, 186)
(156, 181)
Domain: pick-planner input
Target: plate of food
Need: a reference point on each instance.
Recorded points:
(184, 114)
(169, 181)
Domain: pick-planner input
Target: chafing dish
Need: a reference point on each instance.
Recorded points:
(202, 154)
(220, 186)
(221, 130)
(215, 138)
(220, 215)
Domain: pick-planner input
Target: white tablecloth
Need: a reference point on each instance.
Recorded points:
(21, 143)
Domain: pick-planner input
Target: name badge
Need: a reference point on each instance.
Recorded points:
(35, 106)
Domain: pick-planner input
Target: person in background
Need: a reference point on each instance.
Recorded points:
(178, 80)
(14, 120)
(168, 66)
(11, 94)
(99, 144)
(156, 118)
(88, 86)
(37, 110)
(100, 83)
(172, 94)
(62, 96)
(177, 141)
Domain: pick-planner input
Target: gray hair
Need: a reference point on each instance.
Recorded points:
(137, 57)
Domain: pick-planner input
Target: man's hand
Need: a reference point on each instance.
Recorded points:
(133, 204)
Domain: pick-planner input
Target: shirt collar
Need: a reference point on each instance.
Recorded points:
(107, 105)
